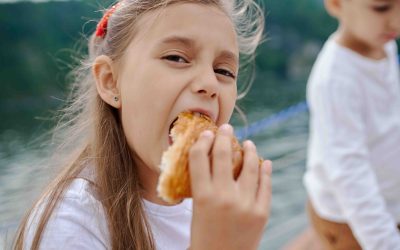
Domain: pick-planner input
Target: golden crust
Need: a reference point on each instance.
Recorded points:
(174, 182)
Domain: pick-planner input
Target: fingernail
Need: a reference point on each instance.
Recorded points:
(249, 144)
(226, 129)
(207, 134)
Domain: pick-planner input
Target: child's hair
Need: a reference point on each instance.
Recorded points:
(90, 131)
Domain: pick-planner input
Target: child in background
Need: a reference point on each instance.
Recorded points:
(148, 61)
(353, 171)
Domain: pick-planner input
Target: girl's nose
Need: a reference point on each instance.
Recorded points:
(208, 93)
(206, 84)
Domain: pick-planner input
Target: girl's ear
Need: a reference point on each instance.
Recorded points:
(106, 82)
(333, 7)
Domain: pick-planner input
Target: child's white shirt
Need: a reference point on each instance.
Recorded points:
(79, 222)
(353, 168)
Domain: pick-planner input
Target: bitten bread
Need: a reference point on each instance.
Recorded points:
(174, 182)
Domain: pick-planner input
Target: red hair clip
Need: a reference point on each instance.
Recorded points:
(101, 29)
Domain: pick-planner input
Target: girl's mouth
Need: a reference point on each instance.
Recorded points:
(170, 138)
(170, 141)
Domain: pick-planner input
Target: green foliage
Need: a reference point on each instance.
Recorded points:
(291, 25)
(33, 47)
(36, 48)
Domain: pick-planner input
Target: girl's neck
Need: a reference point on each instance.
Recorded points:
(149, 180)
(348, 40)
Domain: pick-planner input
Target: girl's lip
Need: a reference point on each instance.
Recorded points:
(205, 112)
(170, 141)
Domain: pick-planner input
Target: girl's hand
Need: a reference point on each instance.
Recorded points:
(227, 214)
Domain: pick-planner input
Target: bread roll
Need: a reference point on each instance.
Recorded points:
(174, 182)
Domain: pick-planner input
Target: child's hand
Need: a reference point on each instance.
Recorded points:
(227, 214)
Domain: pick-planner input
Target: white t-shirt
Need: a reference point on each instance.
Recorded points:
(353, 168)
(79, 222)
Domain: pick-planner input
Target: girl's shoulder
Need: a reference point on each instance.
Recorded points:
(82, 193)
(78, 219)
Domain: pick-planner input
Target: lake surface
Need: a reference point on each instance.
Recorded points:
(284, 143)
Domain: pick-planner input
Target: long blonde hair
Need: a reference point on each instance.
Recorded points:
(89, 131)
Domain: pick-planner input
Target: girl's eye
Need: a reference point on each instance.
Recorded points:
(225, 72)
(175, 58)
(381, 9)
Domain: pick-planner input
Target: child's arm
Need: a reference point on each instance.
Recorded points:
(227, 214)
(346, 161)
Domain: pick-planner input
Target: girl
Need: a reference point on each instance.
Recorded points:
(148, 61)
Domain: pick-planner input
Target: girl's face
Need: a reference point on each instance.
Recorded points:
(370, 24)
(183, 57)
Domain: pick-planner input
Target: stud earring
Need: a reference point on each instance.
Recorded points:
(116, 98)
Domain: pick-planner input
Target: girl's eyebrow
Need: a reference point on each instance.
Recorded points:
(229, 56)
(190, 43)
(187, 42)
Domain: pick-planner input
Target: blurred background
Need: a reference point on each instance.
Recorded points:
(42, 40)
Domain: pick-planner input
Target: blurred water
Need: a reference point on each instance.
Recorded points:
(286, 146)
(21, 179)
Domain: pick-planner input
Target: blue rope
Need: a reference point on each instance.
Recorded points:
(267, 122)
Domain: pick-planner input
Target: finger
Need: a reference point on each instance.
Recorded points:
(237, 162)
(222, 156)
(264, 187)
(249, 177)
(199, 162)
